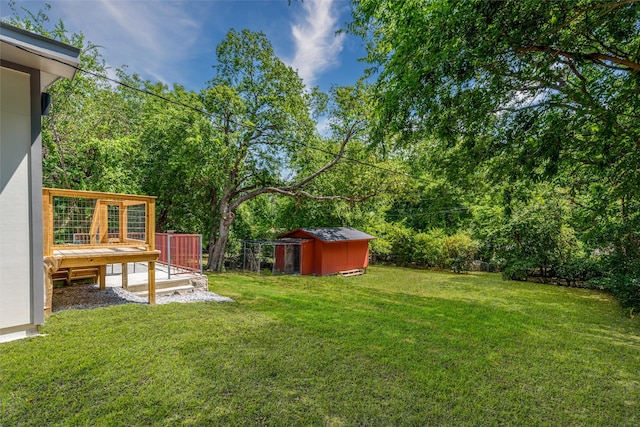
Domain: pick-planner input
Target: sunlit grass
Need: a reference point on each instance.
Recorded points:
(392, 347)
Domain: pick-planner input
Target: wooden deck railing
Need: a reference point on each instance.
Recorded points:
(87, 219)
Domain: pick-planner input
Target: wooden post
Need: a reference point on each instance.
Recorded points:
(104, 222)
(151, 224)
(151, 239)
(95, 223)
(102, 273)
(51, 265)
(122, 232)
(152, 282)
(125, 275)
(124, 219)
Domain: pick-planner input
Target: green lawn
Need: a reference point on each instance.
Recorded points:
(392, 347)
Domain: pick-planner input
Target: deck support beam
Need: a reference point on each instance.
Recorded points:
(125, 275)
(102, 276)
(152, 282)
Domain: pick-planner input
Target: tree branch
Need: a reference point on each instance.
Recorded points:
(597, 58)
(294, 189)
(610, 6)
(299, 193)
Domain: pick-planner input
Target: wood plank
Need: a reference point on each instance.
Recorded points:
(47, 219)
(151, 224)
(104, 221)
(97, 195)
(123, 222)
(130, 243)
(119, 258)
(354, 272)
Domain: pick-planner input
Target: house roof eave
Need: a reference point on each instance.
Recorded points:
(53, 58)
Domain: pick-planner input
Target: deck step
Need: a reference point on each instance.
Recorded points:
(160, 284)
(69, 275)
(184, 289)
(354, 272)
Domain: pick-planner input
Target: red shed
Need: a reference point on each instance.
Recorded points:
(323, 251)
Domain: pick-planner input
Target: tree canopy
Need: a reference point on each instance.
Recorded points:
(512, 91)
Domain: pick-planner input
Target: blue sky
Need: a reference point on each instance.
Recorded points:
(175, 41)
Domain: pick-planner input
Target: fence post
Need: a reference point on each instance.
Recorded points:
(200, 249)
(169, 255)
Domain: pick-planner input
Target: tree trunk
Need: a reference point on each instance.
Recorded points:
(218, 244)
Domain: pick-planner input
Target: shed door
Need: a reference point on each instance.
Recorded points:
(292, 259)
(15, 199)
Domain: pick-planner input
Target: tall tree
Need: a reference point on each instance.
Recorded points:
(545, 91)
(86, 137)
(261, 116)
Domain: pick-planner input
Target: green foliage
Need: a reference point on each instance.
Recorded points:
(515, 120)
(460, 250)
(180, 159)
(517, 93)
(429, 248)
(391, 243)
(535, 238)
(399, 244)
(625, 287)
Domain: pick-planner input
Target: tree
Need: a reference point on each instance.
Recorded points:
(548, 85)
(180, 160)
(261, 115)
(525, 90)
(87, 136)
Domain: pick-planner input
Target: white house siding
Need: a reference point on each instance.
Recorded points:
(15, 200)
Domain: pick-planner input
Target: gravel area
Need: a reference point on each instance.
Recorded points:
(90, 296)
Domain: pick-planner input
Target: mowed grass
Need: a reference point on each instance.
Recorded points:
(393, 347)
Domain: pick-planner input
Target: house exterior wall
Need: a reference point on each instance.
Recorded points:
(21, 279)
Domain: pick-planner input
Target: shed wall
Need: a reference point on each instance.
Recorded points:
(307, 253)
(358, 255)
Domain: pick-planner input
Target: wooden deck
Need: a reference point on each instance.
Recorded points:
(85, 229)
(100, 256)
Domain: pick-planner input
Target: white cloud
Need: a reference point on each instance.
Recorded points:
(150, 37)
(317, 45)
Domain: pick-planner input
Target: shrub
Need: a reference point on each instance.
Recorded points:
(578, 270)
(516, 269)
(459, 252)
(393, 243)
(624, 287)
(428, 248)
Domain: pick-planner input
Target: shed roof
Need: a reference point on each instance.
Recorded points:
(54, 58)
(333, 234)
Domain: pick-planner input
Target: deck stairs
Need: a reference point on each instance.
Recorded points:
(172, 287)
